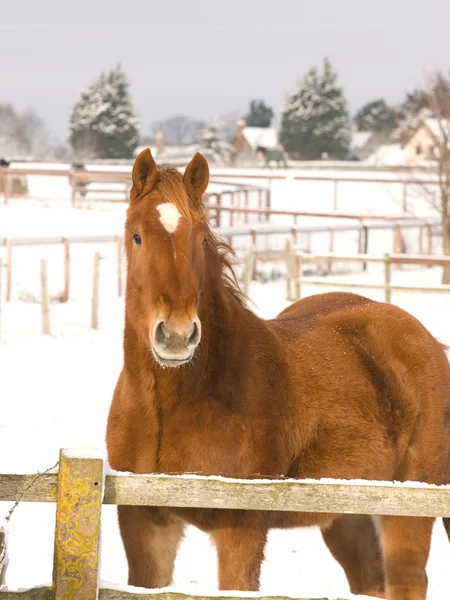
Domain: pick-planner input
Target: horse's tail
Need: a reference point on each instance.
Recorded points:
(446, 521)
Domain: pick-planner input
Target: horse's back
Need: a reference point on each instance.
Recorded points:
(371, 369)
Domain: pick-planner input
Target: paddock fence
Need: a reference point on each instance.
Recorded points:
(262, 238)
(83, 483)
(296, 259)
(84, 181)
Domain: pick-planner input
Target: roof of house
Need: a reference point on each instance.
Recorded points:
(437, 127)
(360, 139)
(386, 154)
(266, 137)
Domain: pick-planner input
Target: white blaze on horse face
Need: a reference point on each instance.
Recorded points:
(169, 216)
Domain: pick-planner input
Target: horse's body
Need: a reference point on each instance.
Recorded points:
(336, 386)
(272, 154)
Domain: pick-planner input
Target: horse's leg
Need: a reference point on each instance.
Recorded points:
(151, 539)
(353, 541)
(406, 544)
(240, 552)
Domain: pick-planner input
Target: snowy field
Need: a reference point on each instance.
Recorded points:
(56, 392)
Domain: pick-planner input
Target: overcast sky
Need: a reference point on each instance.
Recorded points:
(206, 57)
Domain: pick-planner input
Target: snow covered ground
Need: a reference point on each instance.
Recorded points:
(56, 392)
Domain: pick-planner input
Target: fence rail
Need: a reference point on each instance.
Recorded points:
(81, 487)
(80, 178)
(298, 257)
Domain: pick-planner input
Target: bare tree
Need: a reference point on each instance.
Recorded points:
(11, 142)
(34, 134)
(178, 130)
(23, 134)
(229, 120)
(437, 96)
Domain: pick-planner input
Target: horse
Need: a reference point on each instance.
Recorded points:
(272, 154)
(337, 385)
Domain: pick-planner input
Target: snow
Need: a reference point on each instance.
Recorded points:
(440, 129)
(73, 453)
(266, 137)
(56, 390)
(386, 154)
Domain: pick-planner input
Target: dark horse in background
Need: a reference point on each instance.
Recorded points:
(336, 386)
(272, 155)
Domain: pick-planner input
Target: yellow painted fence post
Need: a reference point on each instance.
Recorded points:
(77, 533)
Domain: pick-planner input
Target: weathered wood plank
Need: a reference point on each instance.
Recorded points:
(45, 593)
(77, 531)
(115, 594)
(43, 489)
(38, 593)
(307, 496)
(202, 492)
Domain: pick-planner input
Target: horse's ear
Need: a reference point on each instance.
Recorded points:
(196, 176)
(144, 171)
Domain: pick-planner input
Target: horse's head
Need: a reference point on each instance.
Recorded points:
(165, 237)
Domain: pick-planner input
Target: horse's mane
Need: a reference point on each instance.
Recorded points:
(171, 187)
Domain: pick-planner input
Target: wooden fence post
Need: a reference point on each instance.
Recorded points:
(44, 299)
(335, 194)
(73, 189)
(94, 312)
(8, 187)
(387, 278)
(404, 198)
(248, 271)
(8, 269)
(289, 270)
(246, 206)
(66, 293)
(218, 205)
(429, 239)
(298, 276)
(269, 198)
(260, 203)
(77, 531)
(119, 266)
(330, 247)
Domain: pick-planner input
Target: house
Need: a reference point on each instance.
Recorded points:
(430, 135)
(386, 155)
(248, 142)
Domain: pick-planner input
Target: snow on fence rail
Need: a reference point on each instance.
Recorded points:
(83, 484)
(297, 257)
(425, 228)
(80, 177)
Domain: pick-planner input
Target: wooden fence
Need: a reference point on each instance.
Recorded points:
(80, 177)
(426, 230)
(82, 485)
(298, 258)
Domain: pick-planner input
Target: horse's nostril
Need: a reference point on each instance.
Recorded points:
(160, 334)
(195, 335)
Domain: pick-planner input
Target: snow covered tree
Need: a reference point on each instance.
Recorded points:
(259, 114)
(315, 117)
(103, 121)
(211, 144)
(376, 116)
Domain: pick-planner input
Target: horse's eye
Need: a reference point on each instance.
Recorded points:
(204, 242)
(137, 239)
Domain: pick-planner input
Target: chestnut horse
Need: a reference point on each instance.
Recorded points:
(336, 386)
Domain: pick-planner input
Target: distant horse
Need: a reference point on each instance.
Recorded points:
(272, 155)
(336, 386)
